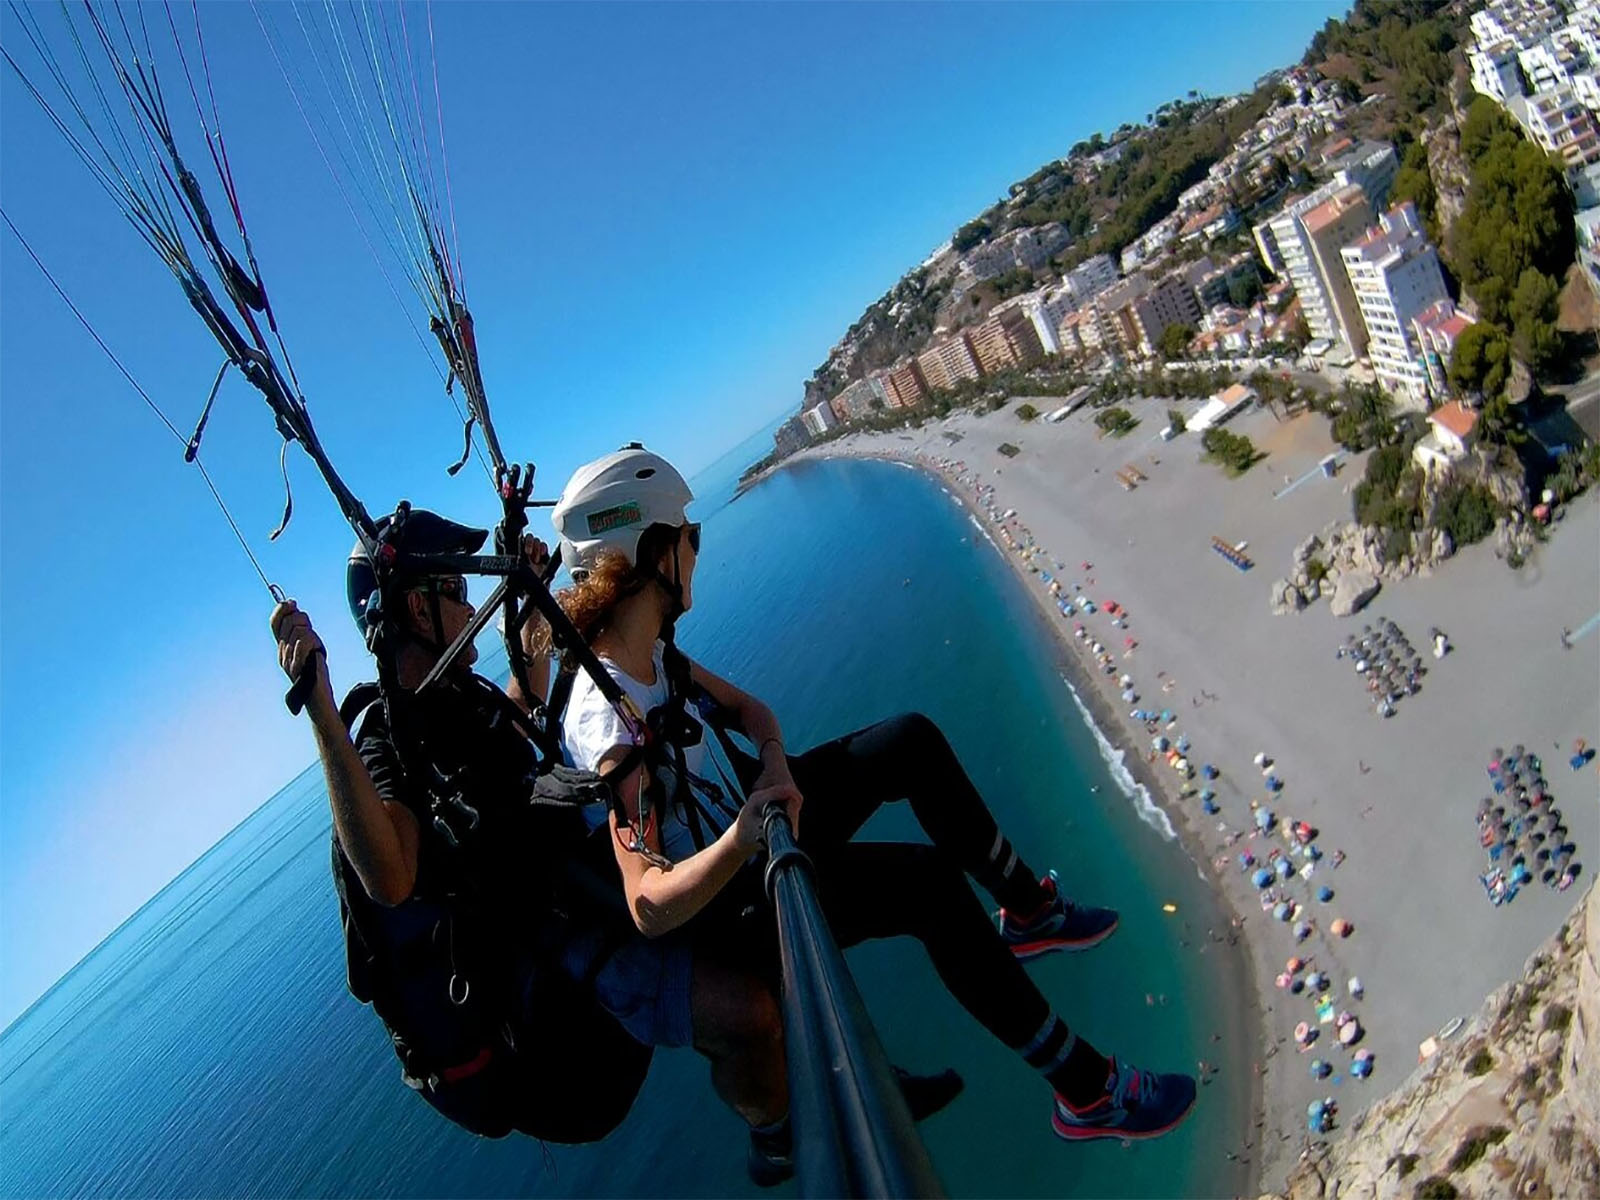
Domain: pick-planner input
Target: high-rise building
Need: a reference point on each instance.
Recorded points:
(904, 385)
(860, 398)
(1089, 278)
(1170, 302)
(820, 418)
(948, 363)
(1307, 265)
(1370, 166)
(1118, 329)
(1329, 228)
(1394, 270)
(1007, 339)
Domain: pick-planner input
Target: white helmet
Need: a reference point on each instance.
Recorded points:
(610, 502)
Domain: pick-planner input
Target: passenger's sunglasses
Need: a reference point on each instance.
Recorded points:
(693, 530)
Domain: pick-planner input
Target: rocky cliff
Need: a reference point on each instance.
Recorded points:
(1509, 1107)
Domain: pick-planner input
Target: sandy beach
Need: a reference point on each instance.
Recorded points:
(1393, 800)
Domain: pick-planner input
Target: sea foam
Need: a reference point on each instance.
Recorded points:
(1149, 812)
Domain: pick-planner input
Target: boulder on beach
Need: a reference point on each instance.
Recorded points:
(1352, 590)
(1285, 598)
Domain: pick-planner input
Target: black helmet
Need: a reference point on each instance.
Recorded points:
(419, 532)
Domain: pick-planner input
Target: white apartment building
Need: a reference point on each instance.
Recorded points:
(1560, 124)
(819, 418)
(1495, 70)
(1288, 235)
(1371, 166)
(1395, 272)
(1088, 279)
(1523, 21)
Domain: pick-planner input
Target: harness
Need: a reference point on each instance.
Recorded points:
(471, 1006)
(668, 731)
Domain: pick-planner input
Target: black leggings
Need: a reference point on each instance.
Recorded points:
(877, 890)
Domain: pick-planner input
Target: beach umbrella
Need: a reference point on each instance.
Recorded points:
(1341, 928)
(1207, 794)
(1316, 981)
(1302, 1033)
(1166, 714)
(1361, 1067)
(1284, 979)
(1349, 1032)
(1160, 743)
(1210, 807)
(1302, 931)
(1324, 894)
(1260, 759)
(1280, 911)
(1263, 819)
(1313, 853)
(1294, 964)
(1183, 743)
(1274, 784)
(1262, 877)
(1318, 1068)
(1284, 868)
(1209, 771)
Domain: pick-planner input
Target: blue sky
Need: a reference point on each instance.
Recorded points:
(667, 215)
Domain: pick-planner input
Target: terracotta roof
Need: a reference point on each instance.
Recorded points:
(1456, 419)
(1234, 393)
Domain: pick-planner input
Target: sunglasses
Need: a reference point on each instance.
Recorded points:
(693, 530)
(451, 587)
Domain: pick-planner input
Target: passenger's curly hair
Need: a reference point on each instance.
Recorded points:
(591, 599)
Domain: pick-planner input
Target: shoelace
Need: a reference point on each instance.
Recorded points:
(1133, 1084)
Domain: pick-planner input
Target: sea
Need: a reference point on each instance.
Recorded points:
(209, 1048)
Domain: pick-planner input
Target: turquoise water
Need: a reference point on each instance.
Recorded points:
(209, 1047)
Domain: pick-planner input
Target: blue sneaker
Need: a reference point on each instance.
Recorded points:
(1136, 1104)
(1059, 925)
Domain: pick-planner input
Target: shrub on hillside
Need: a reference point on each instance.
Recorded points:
(1466, 511)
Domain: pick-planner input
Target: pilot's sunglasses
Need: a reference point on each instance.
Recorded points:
(452, 587)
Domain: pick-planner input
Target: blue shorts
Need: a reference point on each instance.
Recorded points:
(644, 984)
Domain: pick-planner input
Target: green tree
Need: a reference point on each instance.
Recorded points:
(1518, 213)
(970, 235)
(1244, 289)
(1175, 421)
(1233, 451)
(1026, 412)
(1174, 340)
(1535, 305)
(1466, 511)
(1481, 361)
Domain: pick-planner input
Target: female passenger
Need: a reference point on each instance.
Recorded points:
(684, 843)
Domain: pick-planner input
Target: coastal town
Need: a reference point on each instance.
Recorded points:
(1301, 371)
(1293, 247)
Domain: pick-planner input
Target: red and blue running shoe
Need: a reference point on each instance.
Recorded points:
(1135, 1104)
(1058, 925)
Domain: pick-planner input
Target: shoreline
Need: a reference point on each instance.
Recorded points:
(1097, 703)
(1379, 811)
